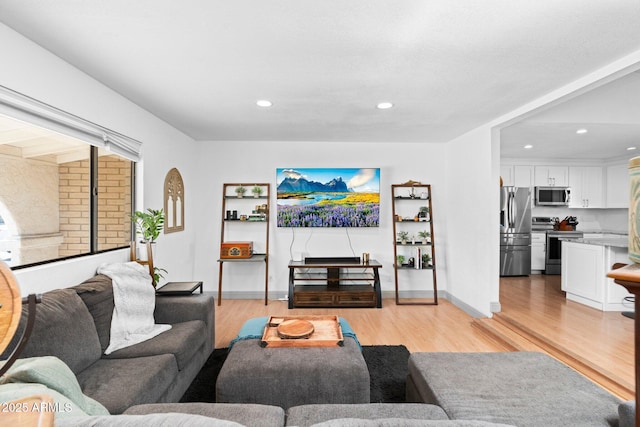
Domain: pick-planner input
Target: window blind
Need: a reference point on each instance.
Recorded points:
(30, 110)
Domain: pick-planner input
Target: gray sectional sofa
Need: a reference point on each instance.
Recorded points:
(74, 324)
(139, 385)
(451, 389)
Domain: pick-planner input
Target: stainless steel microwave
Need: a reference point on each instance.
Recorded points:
(552, 196)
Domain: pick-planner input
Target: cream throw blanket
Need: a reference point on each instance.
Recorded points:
(134, 301)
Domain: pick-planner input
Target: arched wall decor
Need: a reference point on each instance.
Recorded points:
(173, 202)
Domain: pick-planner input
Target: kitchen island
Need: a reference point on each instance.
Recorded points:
(585, 263)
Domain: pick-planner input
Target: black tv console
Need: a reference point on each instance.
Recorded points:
(317, 282)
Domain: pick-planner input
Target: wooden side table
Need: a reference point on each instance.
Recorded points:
(179, 288)
(628, 275)
(33, 411)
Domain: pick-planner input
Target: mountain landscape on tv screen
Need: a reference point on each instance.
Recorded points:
(292, 185)
(328, 197)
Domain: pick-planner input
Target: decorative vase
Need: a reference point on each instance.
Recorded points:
(634, 209)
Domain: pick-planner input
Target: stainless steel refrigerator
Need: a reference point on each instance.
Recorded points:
(515, 231)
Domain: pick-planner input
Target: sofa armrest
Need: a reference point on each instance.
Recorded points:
(178, 309)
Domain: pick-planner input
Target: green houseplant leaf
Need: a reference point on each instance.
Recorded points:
(149, 224)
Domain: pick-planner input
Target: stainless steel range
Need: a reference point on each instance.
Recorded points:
(553, 251)
(553, 259)
(542, 223)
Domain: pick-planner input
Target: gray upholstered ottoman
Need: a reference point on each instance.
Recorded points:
(289, 377)
(519, 388)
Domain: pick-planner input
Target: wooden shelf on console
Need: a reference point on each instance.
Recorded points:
(334, 284)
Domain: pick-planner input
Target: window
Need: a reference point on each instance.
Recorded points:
(63, 193)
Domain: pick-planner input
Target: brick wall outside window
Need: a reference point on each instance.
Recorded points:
(114, 204)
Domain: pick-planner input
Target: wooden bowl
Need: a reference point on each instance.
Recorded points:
(295, 329)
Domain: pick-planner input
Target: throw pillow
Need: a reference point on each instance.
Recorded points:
(97, 294)
(64, 328)
(63, 407)
(56, 375)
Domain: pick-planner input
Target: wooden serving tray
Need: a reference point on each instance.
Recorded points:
(326, 332)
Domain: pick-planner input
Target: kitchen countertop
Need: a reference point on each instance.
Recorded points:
(617, 232)
(618, 242)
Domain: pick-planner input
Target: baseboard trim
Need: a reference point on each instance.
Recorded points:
(282, 295)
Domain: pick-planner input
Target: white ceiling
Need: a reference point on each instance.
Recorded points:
(610, 114)
(447, 66)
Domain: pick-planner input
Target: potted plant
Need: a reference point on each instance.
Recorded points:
(240, 191)
(400, 260)
(148, 224)
(158, 274)
(424, 235)
(403, 236)
(426, 260)
(257, 191)
(423, 215)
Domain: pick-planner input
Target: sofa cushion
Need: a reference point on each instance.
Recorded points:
(403, 422)
(307, 415)
(153, 420)
(97, 294)
(65, 329)
(183, 340)
(247, 414)
(120, 383)
(521, 388)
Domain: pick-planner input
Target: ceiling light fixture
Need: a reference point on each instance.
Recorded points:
(384, 105)
(631, 148)
(528, 147)
(581, 131)
(264, 103)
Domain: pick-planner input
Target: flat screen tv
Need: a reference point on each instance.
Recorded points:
(328, 197)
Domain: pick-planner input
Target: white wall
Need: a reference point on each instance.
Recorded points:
(257, 162)
(37, 73)
(473, 228)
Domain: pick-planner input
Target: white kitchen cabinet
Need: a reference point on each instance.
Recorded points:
(517, 175)
(586, 187)
(506, 173)
(523, 176)
(538, 250)
(551, 176)
(583, 275)
(617, 195)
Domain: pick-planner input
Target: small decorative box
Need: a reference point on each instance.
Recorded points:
(236, 250)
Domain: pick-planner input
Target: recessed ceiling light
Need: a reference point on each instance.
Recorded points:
(631, 148)
(384, 105)
(528, 146)
(264, 103)
(581, 131)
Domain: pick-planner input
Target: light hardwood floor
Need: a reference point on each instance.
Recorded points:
(420, 328)
(603, 341)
